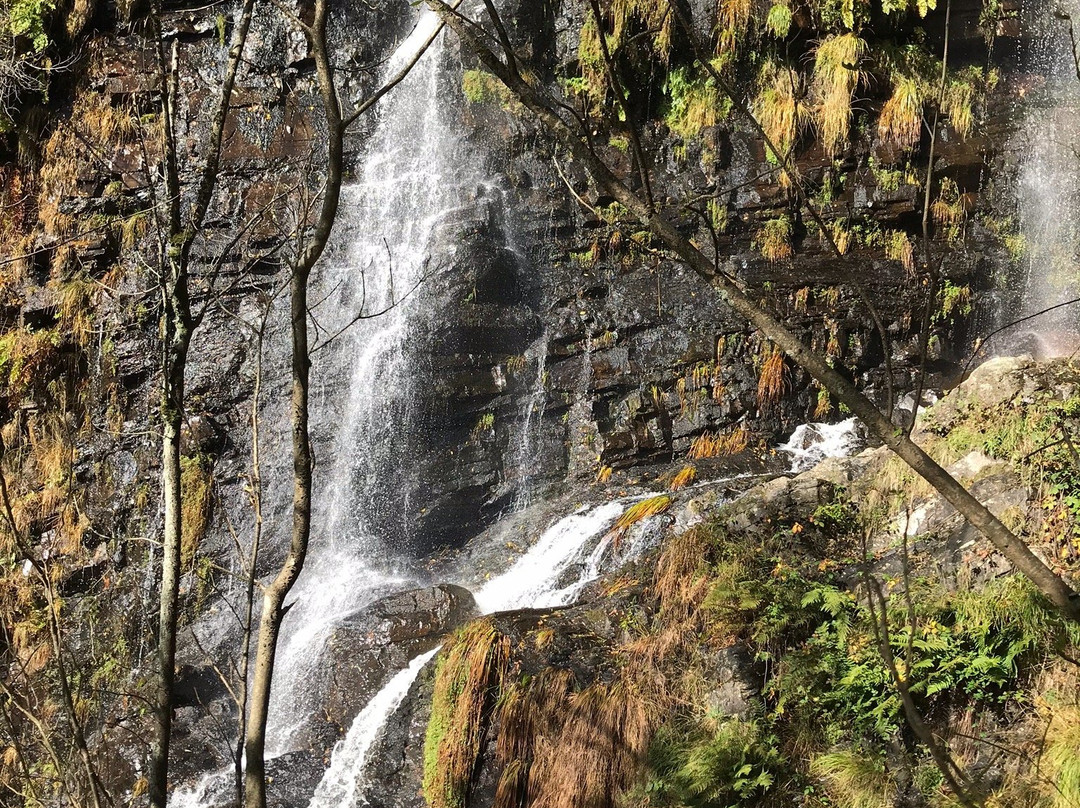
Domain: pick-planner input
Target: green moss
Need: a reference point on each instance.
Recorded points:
(468, 676)
(480, 87)
(694, 103)
(196, 492)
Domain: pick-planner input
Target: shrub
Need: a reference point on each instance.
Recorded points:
(773, 240)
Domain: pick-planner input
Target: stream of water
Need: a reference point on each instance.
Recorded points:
(1047, 142)
(411, 179)
(571, 553)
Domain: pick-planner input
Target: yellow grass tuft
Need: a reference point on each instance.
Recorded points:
(841, 236)
(1060, 757)
(836, 76)
(855, 779)
(735, 15)
(898, 247)
(900, 122)
(683, 478)
(718, 444)
(777, 109)
(957, 104)
(469, 671)
(196, 491)
(643, 510)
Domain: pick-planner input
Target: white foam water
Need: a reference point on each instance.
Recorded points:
(809, 444)
(341, 785)
(533, 580)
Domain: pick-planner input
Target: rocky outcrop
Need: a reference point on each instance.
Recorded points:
(556, 350)
(368, 648)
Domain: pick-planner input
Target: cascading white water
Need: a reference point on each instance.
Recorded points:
(544, 577)
(809, 444)
(1047, 186)
(339, 786)
(411, 177)
(534, 579)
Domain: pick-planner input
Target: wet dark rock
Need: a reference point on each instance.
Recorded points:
(365, 650)
(291, 779)
(732, 674)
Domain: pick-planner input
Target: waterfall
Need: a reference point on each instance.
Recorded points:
(545, 576)
(339, 785)
(1047, 187)
(411, 178)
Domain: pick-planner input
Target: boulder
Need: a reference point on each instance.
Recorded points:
(366, 649)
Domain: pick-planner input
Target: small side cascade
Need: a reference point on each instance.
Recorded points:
(1047, 190)
(809, 444)
(340, 785)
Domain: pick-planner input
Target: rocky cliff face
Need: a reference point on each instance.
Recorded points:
(739, 661)
(561, 347)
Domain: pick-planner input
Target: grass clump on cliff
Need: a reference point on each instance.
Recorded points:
(771, 379)
(694, 103)
(837, 74)
(468, 674)
(773, 240)
(900, 123)
(776, 108)
(719, 444)
(196, 492)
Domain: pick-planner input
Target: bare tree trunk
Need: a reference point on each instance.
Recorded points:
(273, 611)
(842, 390)
(178, 238)
(172, 420)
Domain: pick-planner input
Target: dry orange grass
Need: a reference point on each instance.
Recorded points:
(679, 574)
(643, 510)
(685, 476)
(717, 444)
(470, 670)
(823, 406)
(771, 380)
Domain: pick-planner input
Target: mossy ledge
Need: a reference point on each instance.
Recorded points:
(742, 664)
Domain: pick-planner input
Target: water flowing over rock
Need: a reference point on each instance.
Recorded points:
(504, 366)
